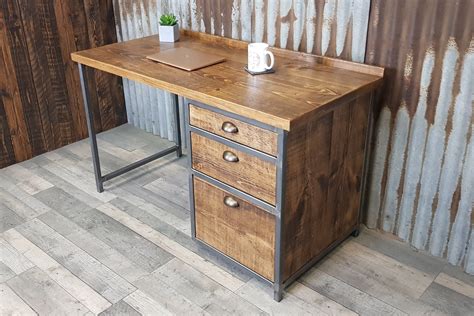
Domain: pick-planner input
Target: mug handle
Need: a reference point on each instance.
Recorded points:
(272, 60)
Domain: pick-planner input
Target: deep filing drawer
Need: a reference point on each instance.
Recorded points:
(235, 227)
(243, 171)
(233, 129)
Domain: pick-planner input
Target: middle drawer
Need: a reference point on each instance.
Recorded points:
(245, 172)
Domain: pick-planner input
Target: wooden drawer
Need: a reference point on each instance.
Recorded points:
(244, 232)
(250, 174)
(238, 131)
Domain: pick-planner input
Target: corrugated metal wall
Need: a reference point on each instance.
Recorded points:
(421, 176)
(422, 181)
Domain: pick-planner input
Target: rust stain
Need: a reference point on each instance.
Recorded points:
(426, 61)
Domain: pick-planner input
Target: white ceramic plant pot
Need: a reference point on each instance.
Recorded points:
(169, 34)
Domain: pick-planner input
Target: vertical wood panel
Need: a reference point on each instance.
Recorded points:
(18, 51)
(11, 98)
(40, 91)
(6, 147)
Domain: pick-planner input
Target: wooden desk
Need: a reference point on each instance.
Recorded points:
(277, 162)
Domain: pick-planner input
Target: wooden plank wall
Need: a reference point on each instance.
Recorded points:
(41, 102)
(421, 176)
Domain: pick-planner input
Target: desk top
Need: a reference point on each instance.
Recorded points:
(303, 87)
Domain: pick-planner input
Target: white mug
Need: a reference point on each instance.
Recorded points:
(257, 57)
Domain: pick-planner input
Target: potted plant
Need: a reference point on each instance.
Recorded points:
(169, 29)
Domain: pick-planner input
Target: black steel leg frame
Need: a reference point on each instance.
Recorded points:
(278, 284)
(99, 178)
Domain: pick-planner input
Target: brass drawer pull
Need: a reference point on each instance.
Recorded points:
(231, 202)
(229, 127)
(230, 156)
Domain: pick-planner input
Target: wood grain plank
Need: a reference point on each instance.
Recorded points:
(247, 134)
(7, 155)
(305, 202)
(8, 218)
(177, 194)
(26, 199)
(390, 246)
(250, 174)
(143, 197)
(88, 269)
(327, 305)
(13, 259)
(169, 213)
(455, 285)
(167, 296)
(201, 290)
(63, 277)
(11, 100)
(145, 305)
(323, 182)
(5, 272)
(211, 270)
(41, 95)
(393, 274)
(62, 122)
(95, 37)
(182, 238)
(260, 295)
(120, 308)
(12, 304)
(79, 194)
(448, 301)
(347, 295)
(95, 247)
(44, 295)
(232, 89)
(17, 56)
(67, 15)
(458, 273)
(26, 180)
(115, 86)
(131, 245)
(40, 76)
(82, 182)
(251, 230)
(380, 276)
(17, 206)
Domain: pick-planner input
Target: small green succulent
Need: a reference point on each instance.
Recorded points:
(168, 19)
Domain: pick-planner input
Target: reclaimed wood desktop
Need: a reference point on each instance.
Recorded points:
(277, 162)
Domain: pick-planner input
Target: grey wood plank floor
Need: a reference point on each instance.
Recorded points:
(65, 249)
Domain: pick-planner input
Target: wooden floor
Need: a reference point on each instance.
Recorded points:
(66, 249)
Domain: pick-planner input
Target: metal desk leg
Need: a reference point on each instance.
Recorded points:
(278, 284)
(90, 126)
(177, 136)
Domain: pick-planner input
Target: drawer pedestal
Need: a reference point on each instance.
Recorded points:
(271, 200)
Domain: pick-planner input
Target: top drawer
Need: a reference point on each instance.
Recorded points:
(238, 131)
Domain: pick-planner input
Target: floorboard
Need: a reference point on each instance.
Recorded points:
(120, 308)
(44, 295)
(66, 249)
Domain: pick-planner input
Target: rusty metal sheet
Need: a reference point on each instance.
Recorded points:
(422, 169)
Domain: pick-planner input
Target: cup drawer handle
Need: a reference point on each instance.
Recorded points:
(230, 156)
(231, 202)
(229, 127)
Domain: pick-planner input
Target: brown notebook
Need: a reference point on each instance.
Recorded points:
(186, 58)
